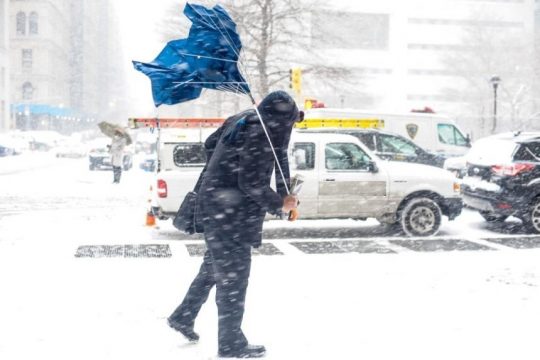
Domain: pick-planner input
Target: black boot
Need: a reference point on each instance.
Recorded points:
(250, 351)
(185, 330)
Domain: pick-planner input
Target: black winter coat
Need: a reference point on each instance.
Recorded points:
(235, 192)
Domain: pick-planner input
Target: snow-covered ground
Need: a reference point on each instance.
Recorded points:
(74, 283)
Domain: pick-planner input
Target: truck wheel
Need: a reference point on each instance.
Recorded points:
(421, 217)
(492, 217)
(531, 219)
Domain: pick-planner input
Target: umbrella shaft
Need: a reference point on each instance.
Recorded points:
(270, 141)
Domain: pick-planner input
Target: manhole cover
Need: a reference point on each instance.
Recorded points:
(128, 251)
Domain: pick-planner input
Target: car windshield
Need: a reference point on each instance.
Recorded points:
(491, 152)
(450, 135)
(396, 145)
(189, 154)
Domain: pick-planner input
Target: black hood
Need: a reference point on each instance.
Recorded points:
(279, 113)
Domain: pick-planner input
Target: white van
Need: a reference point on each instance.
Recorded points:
(433, 132)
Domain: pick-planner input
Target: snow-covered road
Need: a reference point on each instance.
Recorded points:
(83, 278)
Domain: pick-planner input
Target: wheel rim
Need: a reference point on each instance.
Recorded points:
(423, 219)
(535, 217)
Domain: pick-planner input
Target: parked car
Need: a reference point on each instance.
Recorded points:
(9, 145)
(70, 149)
(343, 179)
(503, 178)
(389, 146)
(149, 163)
(6, 150)
(99, 156)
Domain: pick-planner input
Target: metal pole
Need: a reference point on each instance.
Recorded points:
(495, 86)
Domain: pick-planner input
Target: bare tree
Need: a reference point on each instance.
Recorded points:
(274, 40)
(489, 51)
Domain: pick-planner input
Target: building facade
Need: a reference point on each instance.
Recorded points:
(416, 53)
(59, 51)
(4, 66)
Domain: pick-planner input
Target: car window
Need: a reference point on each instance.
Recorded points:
(449, 134)
(345, 156)
(396, 145)
(303, 156)
(528, 152)
(192, 154)
(366, 139)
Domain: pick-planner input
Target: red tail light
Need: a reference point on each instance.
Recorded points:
(511, 170)
(162, 188)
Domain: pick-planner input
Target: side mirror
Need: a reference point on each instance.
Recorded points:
(468, 140)
(372, 167)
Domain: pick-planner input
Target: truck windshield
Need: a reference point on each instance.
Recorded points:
(449, 134)
(189, 154)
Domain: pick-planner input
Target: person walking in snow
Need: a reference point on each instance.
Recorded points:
(116, 149)
(234, 196)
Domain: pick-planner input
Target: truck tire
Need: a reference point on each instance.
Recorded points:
(492, 217)
(531, 218)
(421, 217)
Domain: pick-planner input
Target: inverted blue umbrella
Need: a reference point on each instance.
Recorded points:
(207, 58)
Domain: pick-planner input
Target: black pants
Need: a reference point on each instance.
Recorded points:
(226, 265)
(117, 172)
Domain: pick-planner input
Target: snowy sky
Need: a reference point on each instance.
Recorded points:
(138, 20)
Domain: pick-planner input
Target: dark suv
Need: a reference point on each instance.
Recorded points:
(503, 178)
(389, 146)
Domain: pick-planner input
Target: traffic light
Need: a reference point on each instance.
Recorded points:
(295, 78)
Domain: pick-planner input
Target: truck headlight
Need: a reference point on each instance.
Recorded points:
(457, 187)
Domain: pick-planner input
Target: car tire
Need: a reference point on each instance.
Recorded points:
(421, 217)
(492, 217)
(531, 219)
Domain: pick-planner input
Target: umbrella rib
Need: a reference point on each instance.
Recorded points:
(202, 18)
(208, 57)
(231, 43)
(209, 82)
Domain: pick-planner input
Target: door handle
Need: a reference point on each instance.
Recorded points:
(329, 179)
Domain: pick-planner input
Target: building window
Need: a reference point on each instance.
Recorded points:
(27, 91)
(21, 23)
(27, 58)
(33, 23)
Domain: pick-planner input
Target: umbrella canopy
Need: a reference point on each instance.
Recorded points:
(110, 129)
(208, 58)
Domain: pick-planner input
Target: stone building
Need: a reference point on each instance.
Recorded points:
(4, 66)
(59, 54)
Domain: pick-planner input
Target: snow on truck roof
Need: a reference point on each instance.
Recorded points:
(370, 113)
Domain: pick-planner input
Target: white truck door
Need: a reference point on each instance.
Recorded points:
(303, 161)
(347, 185)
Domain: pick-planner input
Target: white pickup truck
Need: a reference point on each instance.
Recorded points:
(343, 179)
